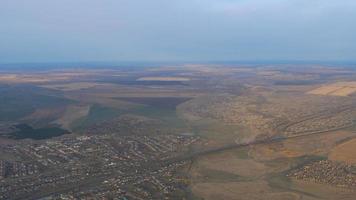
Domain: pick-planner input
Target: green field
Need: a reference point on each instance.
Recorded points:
(97, 114)
(27, 132)
(19, 101)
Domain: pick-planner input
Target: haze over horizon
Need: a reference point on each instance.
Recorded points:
(178, 99)
(195, 30)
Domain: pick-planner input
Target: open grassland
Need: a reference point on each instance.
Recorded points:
(73, 86)
(71, 114)
(267, 112)
(220, 105)
(126, 97)
(315, 191)
(43, 116)
(162, 102)
(345, 152)
(235, 175)
(233, 162)
(318, 145)
(93, 115)
(336, 89)
(256, 190)
(102, 99)
(52, 76)
(163, 78)
(16, 78)
(17, 102)
(267, 164)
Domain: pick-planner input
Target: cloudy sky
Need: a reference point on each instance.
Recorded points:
(176, 30)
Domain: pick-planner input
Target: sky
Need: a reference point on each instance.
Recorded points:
(176, 30)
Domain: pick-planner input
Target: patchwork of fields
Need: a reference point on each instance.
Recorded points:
(259, 132)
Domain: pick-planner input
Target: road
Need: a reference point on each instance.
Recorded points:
(151, 167)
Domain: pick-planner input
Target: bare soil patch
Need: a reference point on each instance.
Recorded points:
(345, 152)
(336, 89)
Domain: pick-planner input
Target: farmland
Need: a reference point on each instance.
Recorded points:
(336, 89)
(193, 131)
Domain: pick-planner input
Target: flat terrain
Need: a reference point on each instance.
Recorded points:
(163, 78)
(336, 89)
(71, 114)
(193, 131)
(344, 152)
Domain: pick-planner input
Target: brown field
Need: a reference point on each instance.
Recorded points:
(231, 163)
(19, 78)
(345, 152)
(257, 190)
(314, 191)
(48, 76)
(222, 106)
(336, 89)
(312, 145)
(165, 78)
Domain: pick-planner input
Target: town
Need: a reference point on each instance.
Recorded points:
(101, 166)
